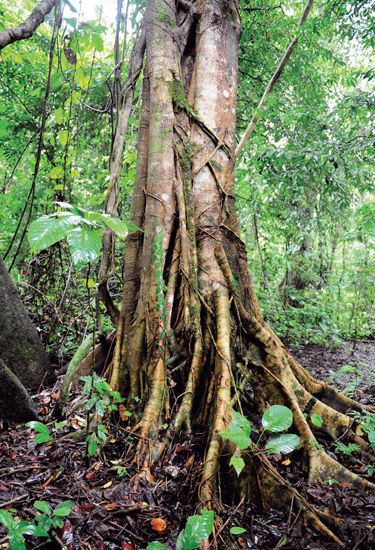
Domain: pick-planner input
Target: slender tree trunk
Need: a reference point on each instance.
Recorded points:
(188, 294)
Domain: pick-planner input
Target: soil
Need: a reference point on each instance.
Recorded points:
(108, 514)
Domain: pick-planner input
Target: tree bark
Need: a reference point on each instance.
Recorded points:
(20, 348)
(28, 27)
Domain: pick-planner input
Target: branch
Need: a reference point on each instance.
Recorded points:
(27, 28)
(275, 77)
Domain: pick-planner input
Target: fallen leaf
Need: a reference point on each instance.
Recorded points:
(89, 475)
(127, 546)
(48, 480)
(106, 485)
(75, 425)
(159, 525)
(111, 506)
(55, 395)
(286, 462)
(3, 489)
(13, 455)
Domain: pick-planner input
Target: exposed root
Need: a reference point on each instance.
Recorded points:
(183, 417)
(222, 412)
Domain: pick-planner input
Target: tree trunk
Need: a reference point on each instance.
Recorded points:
(188, 295)
(21, 352)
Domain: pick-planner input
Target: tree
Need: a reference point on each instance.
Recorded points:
(188, 298)
(188, 294)
(23, 361)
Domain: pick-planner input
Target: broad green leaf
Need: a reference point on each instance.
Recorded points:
(56, 172)
(43, 507)
(63, 509)
(40, 532)
(236, 435)
(242, 422)
(84, 245)
(26, 528)
(117, 225)
(6, 519)
(59, 116)
(46, 231)
(284, 443)
(42, 438)
(38, 427)
(277, 418)
(197, 529)
(237, 530)
(63, 137)
(238, 464)
(92, 448)
(17, 541)
(317, 420)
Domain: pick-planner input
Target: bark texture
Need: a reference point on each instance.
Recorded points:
(20, 348)
(27, 27)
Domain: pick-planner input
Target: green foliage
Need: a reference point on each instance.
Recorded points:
(101, 400)
(17, 529)
(51, 518)
(197, 529)
(80, 226)
(43, 431)
(347, 449)
(276, 418)
(237, 530)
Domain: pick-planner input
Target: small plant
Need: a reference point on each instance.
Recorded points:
(102, 400)
(81, 227)
(275, 419)
(17, 529)
(44, 434)
(197, 530)
(51, 518)
(347, 449)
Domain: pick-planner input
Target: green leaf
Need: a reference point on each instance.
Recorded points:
(198, 529)
(156, 546)
(84, 245)
(40, 532)
(237, 530)
(236, 435)
(284, 443)
(242, 422)
(42, 438)
(17, 541)
(44, 522)
(6, 519)
(63, 137)
(97, 41)
(317, 420)
(117, 225)
(38, 427)
(59, 116)
(277, 418)
(46, 231)
(26, 528)
(238, 464)
(43, 507)
(56, 172)
(92, 448)
(63, 509)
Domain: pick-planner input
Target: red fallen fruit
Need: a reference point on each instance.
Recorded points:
(127, 546)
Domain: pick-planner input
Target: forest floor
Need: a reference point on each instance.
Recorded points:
(108, 514)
